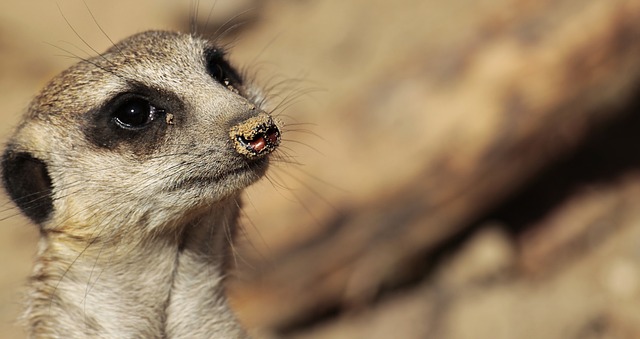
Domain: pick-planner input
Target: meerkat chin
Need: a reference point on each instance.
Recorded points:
(131, 163)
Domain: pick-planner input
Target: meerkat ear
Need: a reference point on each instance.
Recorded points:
(27, 181)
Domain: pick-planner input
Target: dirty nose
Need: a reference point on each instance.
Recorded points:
(256, 136)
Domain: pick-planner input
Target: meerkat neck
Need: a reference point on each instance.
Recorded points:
(170, 287)
(197, 306)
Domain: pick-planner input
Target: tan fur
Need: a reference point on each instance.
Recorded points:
(136, 243)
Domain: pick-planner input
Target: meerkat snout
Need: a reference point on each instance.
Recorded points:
(256, 136)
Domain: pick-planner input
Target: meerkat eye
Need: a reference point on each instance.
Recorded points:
(134, 113)
(221, 71)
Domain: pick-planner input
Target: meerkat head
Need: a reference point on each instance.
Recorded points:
(157, 127)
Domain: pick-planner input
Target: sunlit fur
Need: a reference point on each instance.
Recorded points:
(136, 244)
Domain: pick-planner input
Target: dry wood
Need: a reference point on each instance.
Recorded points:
(523, 93)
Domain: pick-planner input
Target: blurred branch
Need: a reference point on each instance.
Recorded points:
(542, 80)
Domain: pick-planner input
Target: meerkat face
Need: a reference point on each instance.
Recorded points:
(153, 129)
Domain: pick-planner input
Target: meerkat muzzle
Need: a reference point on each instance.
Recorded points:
(256, 136)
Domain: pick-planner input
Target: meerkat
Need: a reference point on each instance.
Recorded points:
(132, 164)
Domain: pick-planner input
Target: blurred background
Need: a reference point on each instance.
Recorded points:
(450, 169)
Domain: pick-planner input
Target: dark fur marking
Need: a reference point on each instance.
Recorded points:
(27, 181)
(101, 129)
(220, 69)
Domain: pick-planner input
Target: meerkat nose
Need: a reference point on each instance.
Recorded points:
(256, 136)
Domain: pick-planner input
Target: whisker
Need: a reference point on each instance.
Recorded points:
(206, 24)
(100, 26)
(79, 36)
(219, 35)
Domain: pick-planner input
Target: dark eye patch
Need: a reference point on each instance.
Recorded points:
(221, 71)
(134, 120)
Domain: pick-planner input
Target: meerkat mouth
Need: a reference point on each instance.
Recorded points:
(240, 176)
(256, 137)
